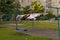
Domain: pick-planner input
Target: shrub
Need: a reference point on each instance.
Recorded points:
(26, 10)
(42, 17)
(50, 15)
(6, 17)
(46, 17)
(57, 17)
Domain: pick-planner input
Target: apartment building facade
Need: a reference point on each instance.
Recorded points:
(28, 2)
(55, 3)
(46, 3)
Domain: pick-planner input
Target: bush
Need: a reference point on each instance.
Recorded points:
(6, 17)
(42, 17)
(56, 18)
(26, 10)
(50, 15)
(45, 17)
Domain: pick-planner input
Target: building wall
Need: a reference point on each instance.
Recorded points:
(45, 3)
(55, 3)
(28, 2)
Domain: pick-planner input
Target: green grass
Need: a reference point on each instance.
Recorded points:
(42, 25)
(6, 22)
(37, 24)
(11, 34)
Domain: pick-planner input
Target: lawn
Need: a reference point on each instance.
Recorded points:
(37, 24)
(11, 34)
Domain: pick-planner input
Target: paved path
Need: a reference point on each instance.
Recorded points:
(44, 32)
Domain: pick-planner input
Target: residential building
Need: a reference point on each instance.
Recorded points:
(46, 4)
(55, 3)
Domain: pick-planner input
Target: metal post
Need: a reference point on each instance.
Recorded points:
(16, 16)
(16, 23)
(32, 23)
(58, 22)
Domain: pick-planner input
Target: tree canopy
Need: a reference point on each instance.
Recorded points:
(37, 7)
(7, 6)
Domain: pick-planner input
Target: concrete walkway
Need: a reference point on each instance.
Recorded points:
(44, 32)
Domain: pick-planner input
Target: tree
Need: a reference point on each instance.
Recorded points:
(8, 7)
(26, 10)
(37, 7)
